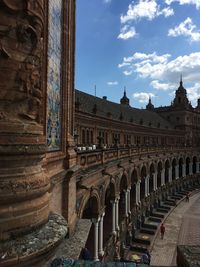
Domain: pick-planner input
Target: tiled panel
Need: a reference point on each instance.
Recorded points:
(54, 75)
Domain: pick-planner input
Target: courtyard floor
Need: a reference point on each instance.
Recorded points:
(182, 228)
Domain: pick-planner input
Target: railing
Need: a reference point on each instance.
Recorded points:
(90, 158)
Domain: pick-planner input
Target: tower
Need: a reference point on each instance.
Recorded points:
(149, 106)
(181, 99)
(124, 100)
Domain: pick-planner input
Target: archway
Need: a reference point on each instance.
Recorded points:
(152, 171)
(173, 169)
(109, 196)
(143, 175)
(180, 163)
(134, 180)
(91, 211)
(187, 166)
(167, 171)
(194, 165)
(159, 174)
(122, 201)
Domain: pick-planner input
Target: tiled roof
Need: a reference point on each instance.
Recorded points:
(104, 108)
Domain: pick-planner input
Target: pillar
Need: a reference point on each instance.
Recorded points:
(95, 222)
(138, 192)
(177, 171)
(197, 167)
(190, 168)
(163, 177)
(117, 213)
(155, 181)
(170, 174)
(184, 170)
(101, 252)
(126, 202)
(148, 177)
(129, 200)
(113, 202)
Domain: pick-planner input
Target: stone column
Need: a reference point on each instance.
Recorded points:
(126, 202)
(177, 171)
(117, 213)
(113, 202)
(96, 228)
(163, 177)
(155, 181)
(24, 184)
(146, 187)
(101, 252)
(129, 200)
(170, 174)
(138, 192)
(190, 168)
(183, 170)
(197, 167)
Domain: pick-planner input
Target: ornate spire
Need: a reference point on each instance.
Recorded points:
(124, 100)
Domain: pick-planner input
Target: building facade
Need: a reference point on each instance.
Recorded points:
(130, 161)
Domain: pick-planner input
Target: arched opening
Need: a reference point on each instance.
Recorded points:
(194, 165)
(142, 185)
(134, 179)
(91, 211)
(159, 174)
(152, 171)
(122, 201)
(187, 166)
(167, 171)
(180, 164)
(109, 196)
(173, 169)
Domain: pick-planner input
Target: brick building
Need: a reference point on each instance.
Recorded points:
(66, 155)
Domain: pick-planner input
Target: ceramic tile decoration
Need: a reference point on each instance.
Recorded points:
(54, 75)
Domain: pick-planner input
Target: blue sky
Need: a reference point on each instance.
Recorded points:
(144, 45)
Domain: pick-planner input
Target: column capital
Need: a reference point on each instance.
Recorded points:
(95, 220)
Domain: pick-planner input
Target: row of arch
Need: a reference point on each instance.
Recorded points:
(101, 201)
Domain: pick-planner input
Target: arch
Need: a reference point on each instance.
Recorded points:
(90, 205)
(180, 163)
(173, 169)
(134, 180)
(151, 173)
(187, 161)
(109, 196)
(194, 165)
(110, 185)
(143, 175)
(167, 165)
(123, 185)
(159, 170)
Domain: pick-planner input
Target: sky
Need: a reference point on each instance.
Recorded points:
(144, 46)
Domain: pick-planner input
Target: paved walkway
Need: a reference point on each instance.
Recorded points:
(182, 228)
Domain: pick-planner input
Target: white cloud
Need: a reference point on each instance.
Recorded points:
(143, 97)
(184, 2)
(107, 1)
(127, 73)
(162, 86)
(127, 32)
(186, 28)
(194, 92)
(112, 83)
(162, 68)
(123, 64)
(148, 9)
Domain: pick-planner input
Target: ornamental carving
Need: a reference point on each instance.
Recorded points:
(21, 54)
